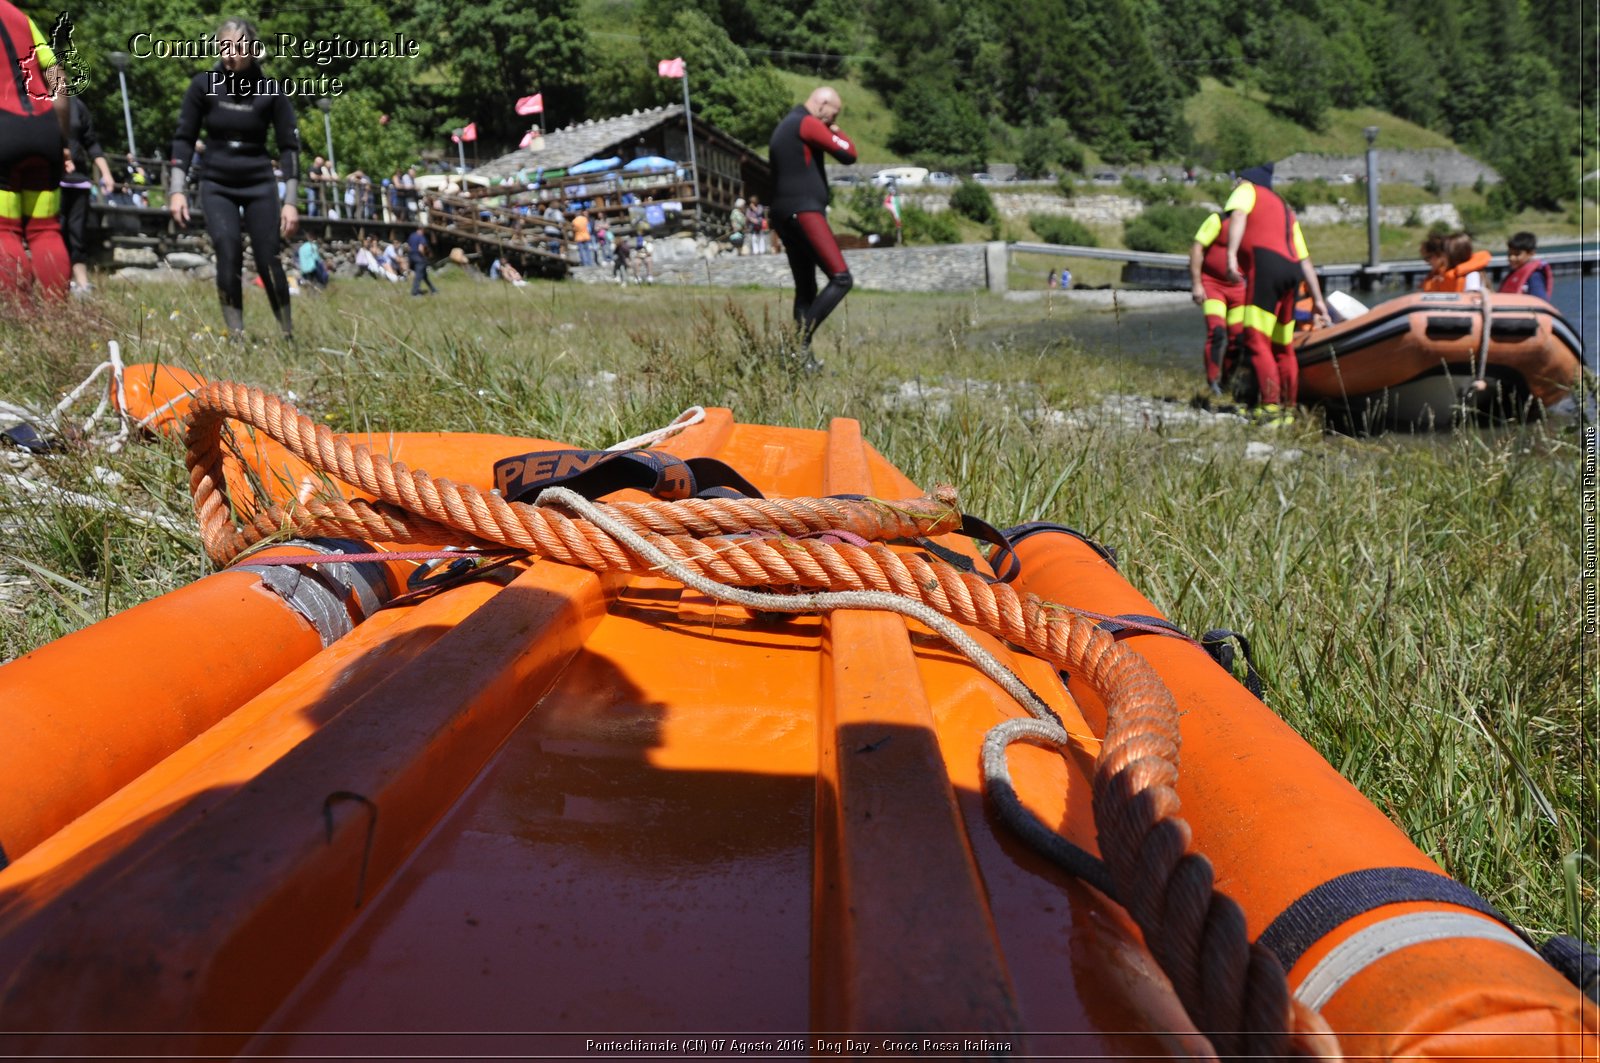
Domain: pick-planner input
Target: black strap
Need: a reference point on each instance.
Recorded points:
(23, 99)
(1002, 559)
(1215, 642)
(1016, 534)
(596, 473)
(1324, 908)
(1574, 958)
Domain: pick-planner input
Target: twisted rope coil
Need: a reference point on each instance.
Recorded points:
(1233, 990)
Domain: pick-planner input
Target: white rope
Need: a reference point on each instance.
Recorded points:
(693, 415)
(1044, 729)
(61, 496)
(114, 364)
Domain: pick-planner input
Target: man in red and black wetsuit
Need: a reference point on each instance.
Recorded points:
(34, 119)
(800, 203)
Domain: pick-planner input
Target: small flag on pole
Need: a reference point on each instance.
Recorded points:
(891, 203)
(531, 104)
(470, 132)
(527, 139)
(670, 68)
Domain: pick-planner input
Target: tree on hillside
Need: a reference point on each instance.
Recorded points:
(740, 97)
(498, 50)
(939, 127)
(1294, 69)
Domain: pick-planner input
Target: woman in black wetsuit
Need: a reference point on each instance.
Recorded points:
(237, 106)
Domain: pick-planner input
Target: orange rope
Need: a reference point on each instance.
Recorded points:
(1234, 990)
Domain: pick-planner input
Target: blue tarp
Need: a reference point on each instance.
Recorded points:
(650, 162)
(596, 165)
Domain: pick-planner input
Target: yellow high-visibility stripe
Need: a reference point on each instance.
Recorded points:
(1260, 320)
(1214, 308)
(32, 205)
(1236, 315)
(41, 47)
(1242, 198)
(1208, 230)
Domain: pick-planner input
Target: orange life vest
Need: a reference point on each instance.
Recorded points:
(1454, 279)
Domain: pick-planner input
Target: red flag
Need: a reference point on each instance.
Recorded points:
(531, 104)
(670, 68)
(470, 132)
(455, 138)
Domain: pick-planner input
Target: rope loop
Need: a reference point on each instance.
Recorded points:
(1234, 990)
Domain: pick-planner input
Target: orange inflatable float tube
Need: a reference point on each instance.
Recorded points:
(91, 711)
(1400, 959)
(156, 397)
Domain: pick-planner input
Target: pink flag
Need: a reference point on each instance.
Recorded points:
(670, 68)
(527, 139)
(470, 132)
(531, 104)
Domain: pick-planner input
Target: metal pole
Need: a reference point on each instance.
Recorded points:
(327, 127)
(120, 61)
(1373, 255)
(688, 115)
(461, 151)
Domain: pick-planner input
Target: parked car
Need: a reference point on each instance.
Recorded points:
(1106, 178)
(939, 177)
(983, 178)
(848, 179)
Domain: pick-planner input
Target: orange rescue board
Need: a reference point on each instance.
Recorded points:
(558, 801)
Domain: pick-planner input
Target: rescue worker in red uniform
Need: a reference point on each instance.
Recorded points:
(1267, 252)
(1221, 302)
(799, 206)
(34, 123)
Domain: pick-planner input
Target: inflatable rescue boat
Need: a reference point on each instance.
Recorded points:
(737, 743)
(1427, 359)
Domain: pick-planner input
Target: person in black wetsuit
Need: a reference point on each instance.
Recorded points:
(799, 206)
(88, 162)
(238, 106)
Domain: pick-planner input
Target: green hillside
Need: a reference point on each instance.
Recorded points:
(1210, 112)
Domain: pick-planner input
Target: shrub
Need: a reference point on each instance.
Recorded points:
(925, 227)
(1060, 229)
(867, 212)
(1477, 218)
(1164, 227)
(1294, 194)
(972, 200)
(1414, 219)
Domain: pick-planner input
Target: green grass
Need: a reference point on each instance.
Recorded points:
(1412, 603)
(866, 118)
(1280, 137)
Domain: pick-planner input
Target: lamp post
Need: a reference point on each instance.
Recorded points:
(1372, 198)
(120, 61)
(325, 105)
(688, 117)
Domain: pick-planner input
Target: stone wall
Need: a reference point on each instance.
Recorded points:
(1447, 168)
(937, 268)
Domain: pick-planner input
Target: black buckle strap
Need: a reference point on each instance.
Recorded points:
(1017, 533)
(596, 473)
